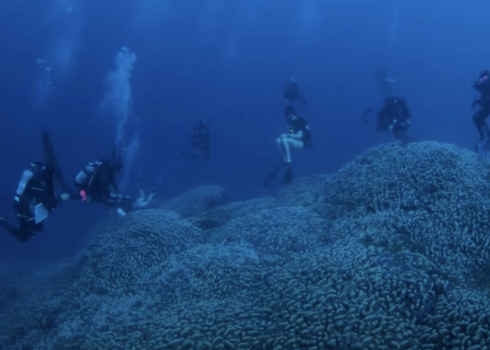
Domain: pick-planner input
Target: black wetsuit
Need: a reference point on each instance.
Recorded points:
(100, 183)
(395, 116)
(483, 87)
(300, 124)
(39, 189)
(290, 92)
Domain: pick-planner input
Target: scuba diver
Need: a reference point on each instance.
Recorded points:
(97, 182)
(297, 137)
(35, 199)
(394, 117)
(199, 140)
(482, 85)
(290, 92)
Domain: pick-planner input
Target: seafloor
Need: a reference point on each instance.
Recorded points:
(392, 252)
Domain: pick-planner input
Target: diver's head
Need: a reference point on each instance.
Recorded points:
(203, 122)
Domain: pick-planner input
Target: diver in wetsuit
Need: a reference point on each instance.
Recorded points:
(97, 182)
(200, 141)
(482, 85)
(394, 117)
(291, 92)
(34, 200)
(297, 137)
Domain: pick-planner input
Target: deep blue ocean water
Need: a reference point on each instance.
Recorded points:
(226, 61)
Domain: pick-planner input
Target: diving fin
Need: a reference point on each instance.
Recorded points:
(288, 175)
(272, 175)
(50, 158)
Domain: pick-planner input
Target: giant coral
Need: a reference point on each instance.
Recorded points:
(428, 197)
(389, 253)
(121, 250)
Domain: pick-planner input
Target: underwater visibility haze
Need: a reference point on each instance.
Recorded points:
(143, 133)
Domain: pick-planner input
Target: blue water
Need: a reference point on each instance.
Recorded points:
(226, 61)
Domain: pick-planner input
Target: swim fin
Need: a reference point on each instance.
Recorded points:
(272, 175)
(12, 230)
(50, 158)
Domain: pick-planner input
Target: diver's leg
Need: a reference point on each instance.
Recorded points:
(295, 144)
(280, 144)
(22, 233)
(479, 120)
(287, 151)
(27, 229)
(485, 112)
(291, 144)
(9, 228)
(288, 174)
